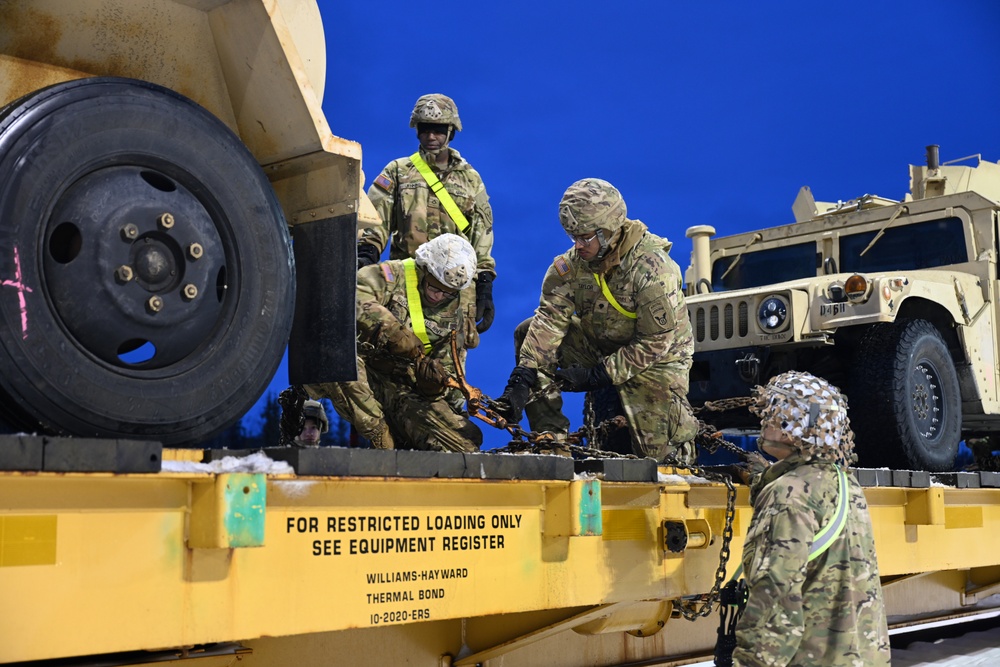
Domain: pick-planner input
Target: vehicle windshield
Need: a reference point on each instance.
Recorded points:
(924, 245)
(766, 267)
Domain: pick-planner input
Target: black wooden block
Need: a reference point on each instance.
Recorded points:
(319, 461)
(866, 476)
(920, 479)
(412, 463)
(639, 470)
(98, 455)
(901, 478)
(377, 462)
(21, 452)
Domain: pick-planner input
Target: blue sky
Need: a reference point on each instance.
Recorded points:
(699, 112)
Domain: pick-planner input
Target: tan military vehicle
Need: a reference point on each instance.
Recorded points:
(153, 154)
(894, 301)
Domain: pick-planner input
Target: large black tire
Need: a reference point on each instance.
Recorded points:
(182, 347)
(905, 401)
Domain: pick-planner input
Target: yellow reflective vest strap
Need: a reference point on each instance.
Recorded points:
(413, 303)
(829, 533)
(611, 299)
(437, 187)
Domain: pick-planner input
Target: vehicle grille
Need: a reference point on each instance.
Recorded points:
(727, 320)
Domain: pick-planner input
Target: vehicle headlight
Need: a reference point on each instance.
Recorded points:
(857, 288)
(772, 313)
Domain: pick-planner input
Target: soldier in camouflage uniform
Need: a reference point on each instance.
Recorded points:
(413, 212)
(314, 424)
(611, 313)
(808, 606)
(407, 310)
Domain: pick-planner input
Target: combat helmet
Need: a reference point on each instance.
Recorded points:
(450, 259)
(811, 411)
(314, 410)
(589, 205)
(436, 108)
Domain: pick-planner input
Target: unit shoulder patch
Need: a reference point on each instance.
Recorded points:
(384, 182)
(661, 315)
(562, 266)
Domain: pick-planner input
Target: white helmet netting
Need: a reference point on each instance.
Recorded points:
(811, 411)
(449, 258)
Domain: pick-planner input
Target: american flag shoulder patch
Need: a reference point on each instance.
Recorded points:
(387, 272)
(562, 268)
(384, 182)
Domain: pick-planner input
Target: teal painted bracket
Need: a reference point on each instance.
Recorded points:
(244, 508)
(591, 522)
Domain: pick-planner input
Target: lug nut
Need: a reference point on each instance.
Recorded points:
(124, 273)
(190, 291)
(195, 251)
(155, 303)
(166, 221)
(130, 232)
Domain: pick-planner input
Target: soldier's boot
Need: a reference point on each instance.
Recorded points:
(551, 442)
(380, 437)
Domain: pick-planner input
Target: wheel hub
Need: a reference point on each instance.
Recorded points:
(154, 264)
(120, 269)
(926, 398)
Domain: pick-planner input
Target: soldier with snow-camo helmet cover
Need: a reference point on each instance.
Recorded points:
(433, 192)
(813, 599)
(611, 313)
(406, 313)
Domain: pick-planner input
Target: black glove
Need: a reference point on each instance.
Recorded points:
(484, 302)
(515, 396)
(582, 379)
(431, 376)
(367, 254)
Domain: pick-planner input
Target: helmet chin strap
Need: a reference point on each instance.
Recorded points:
(605, 246)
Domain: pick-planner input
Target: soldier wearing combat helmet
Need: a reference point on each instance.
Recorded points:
(611, 314)
(809, 556)
(314, 424)
(432, 192)
(406, 313)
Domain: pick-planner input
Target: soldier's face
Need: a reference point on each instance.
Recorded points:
(432, 136)
(587, 246)
(436, 293)
(310, 432)
(775, 442)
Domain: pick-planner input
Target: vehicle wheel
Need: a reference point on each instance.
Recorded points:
(905, 402)
(146, 274)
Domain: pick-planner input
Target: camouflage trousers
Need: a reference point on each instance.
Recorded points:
(415, 421)
(661, 421)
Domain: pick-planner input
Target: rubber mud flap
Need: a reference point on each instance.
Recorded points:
(321, 347)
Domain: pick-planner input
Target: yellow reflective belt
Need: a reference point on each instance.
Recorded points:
(437, 187)
(413, 303)
(607, 295)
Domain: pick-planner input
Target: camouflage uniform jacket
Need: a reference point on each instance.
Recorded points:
(381, 295)
(825, 612)
(412, 215)
(646, 282)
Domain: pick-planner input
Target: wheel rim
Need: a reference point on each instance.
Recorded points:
(135, 267)
(926, 399)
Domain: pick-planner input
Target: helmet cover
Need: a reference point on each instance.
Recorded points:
(436, 108)
(450, 259)
(811, 411)
(591, 204)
